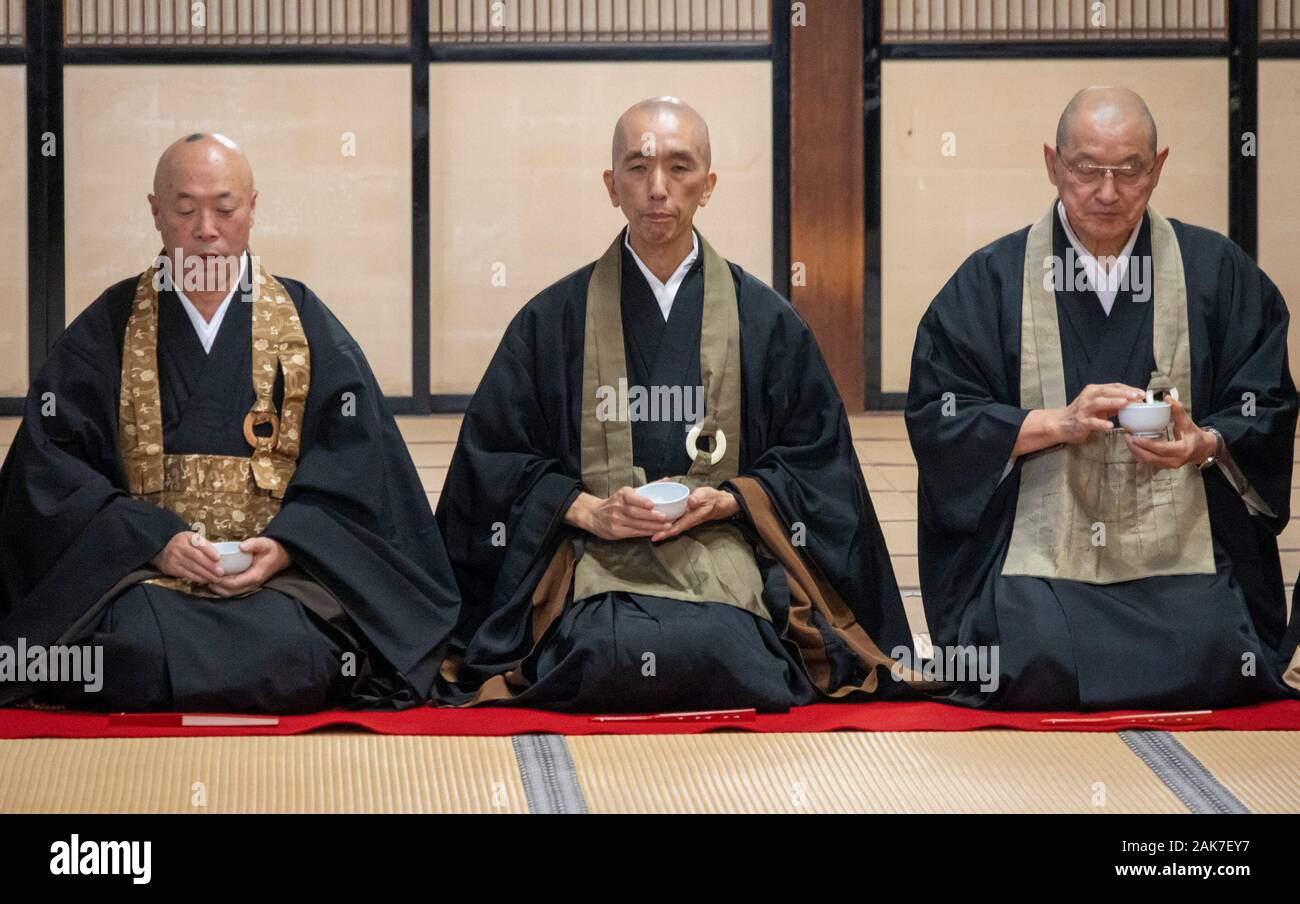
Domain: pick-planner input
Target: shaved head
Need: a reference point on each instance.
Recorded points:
(662, 113)
(210, 151)
(1109, 108)
(202, 204)
(1105, 165)
(660, 175)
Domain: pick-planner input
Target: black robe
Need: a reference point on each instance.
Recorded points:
(354, 519)
(517, 464)
(1180, 641)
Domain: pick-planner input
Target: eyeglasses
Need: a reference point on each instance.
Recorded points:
(1091, 173)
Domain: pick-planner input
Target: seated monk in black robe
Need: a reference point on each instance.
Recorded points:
(1110, 569)
(772, 590)
(172, 415)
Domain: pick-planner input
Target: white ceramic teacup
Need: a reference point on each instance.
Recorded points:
(668, 496)
(232, 560)
(1145, 418)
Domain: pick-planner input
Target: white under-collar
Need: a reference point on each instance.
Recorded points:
(1105, 284)
(207, 329)
(666, 292)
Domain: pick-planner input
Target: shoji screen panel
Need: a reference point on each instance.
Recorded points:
(13, 232)
(938, 207)
(516, 156)
(1279, 184)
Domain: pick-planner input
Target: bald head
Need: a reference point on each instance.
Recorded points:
(202, 155)
(662, 114)
(661, 173)
(1105, 166)
(1107, 109)
(202, 204)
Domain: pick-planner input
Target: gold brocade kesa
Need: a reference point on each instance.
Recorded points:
(232, 497)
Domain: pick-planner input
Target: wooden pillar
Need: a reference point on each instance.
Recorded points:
(827, 223)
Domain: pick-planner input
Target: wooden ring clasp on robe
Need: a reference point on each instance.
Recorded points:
(256, 418)
(719, 441)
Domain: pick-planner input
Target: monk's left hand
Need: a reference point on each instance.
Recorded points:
(269, 559)
(704, 504)
(1190, 445)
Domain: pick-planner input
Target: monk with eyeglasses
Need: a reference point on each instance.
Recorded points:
(1103, 417)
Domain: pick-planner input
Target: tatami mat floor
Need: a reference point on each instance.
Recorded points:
(924, 772)
(918, 772)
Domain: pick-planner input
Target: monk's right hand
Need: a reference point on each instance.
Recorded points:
(188, 555)
(1092, 410)
(619, 517)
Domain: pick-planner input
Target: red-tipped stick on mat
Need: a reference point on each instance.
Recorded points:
(187, 720)
(1188, 717)
(708, 715)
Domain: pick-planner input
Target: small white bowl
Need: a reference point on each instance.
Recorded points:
(1145, 418)
(232, 560)
(668, 497)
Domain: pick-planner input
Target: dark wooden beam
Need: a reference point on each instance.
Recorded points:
(826, 186)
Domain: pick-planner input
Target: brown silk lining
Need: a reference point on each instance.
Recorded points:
(810, 590)
(549, 597)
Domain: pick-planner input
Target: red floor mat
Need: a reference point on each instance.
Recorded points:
(484, 721)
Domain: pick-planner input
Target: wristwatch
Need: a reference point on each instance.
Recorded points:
(1218, 449)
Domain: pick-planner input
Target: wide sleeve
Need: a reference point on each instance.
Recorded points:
(811, 473)
(355, 516)
(1254, 398)
(69, 529)
(963, 415)
(507, 490)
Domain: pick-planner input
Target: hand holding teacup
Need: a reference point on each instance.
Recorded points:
(229, 569)
(190, 556)
(624, 514)
(703, 504)
(659, 510)
(269, 558)
(1190, 445)
(1092, 410)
